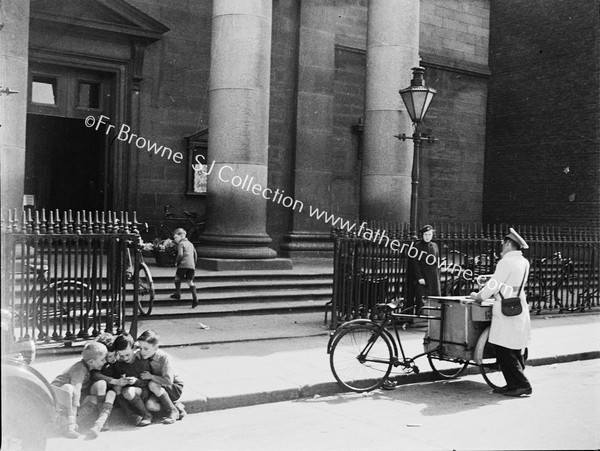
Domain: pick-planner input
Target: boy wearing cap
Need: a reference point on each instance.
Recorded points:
(510, 334)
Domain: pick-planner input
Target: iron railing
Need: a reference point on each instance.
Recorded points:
(64, 275)
(370, 265)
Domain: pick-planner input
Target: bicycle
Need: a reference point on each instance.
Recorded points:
(468, 268)
(541, 290)
(146, 292)
(61, 302)
(363, 352)
(193, 228)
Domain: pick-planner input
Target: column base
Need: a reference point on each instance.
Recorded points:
(244, 264)
(235, 246)
(304, 245)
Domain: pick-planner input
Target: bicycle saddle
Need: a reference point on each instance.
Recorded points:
(390, 306)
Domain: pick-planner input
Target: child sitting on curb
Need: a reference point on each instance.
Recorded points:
(74, 382)
(162, 379)
(128, 383)
(102, 393)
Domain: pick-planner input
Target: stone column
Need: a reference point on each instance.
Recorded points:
(238, 138)
(14, 42)
(392, 50)
(311, 237)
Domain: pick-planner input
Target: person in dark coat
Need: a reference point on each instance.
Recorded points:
(423, 270)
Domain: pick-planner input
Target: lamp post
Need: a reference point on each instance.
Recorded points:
(417, 98)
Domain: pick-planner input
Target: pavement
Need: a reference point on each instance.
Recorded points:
(234, 361)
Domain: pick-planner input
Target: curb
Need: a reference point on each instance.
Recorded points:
(205, 404)
(59, 349)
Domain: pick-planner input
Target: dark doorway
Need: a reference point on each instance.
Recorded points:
(65, 164)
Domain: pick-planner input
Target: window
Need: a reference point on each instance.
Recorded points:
(89, 95)
(43, 90)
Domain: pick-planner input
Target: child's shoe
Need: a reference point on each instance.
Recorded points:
(71, 431)
(175, 296)
(145, 421)
(181, 408)
(94, 431)
(136, 419)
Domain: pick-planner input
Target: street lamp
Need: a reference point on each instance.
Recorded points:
(417, 98)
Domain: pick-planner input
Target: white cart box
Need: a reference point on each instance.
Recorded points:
(464, 323)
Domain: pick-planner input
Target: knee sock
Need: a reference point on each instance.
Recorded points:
(139, 404)
(104, 414)
(194, 295)
(177, 288)
(167, 404)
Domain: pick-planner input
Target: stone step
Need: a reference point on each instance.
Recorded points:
(182, 308)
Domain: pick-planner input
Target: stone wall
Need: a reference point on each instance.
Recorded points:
(173, 104)
(453, 48)
(14, 39)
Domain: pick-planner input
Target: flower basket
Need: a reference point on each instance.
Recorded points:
(165, 252)
(164, 259)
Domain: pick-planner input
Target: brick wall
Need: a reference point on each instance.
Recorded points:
(454, 50)
(456, 30)
(543, 153)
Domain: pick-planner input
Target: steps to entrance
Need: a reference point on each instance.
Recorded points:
(306, 287)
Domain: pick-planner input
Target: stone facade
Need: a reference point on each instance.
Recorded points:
(505, 116)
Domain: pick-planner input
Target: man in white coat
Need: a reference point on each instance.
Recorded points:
(510, 334)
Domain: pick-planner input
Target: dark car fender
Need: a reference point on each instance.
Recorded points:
(23, 387)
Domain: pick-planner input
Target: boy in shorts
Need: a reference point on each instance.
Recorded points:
(127, 381)
(186, 265)
(74, 382)
(163, 381)
(103, 393)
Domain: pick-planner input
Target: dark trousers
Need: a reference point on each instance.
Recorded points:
(512, 364)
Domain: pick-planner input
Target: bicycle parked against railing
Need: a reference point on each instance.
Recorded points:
(146, 293)
(546, 290)
(362, 352)
(459, 271)
(189, 222)
(69, 302)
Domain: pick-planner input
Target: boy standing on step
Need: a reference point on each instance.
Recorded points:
(186, 265)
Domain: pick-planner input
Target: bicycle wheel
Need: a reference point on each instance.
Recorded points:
(145, 300)
(360, 359)
(446, 368)
(536, 294)
(62, 306)
(485, 357)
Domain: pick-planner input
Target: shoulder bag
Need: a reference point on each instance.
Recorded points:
(512, 306)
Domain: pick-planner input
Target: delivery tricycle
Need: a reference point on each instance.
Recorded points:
(362, 352)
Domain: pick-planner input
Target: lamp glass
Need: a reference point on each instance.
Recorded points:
(417, 100)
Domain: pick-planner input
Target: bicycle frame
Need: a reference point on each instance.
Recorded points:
(381, 329)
